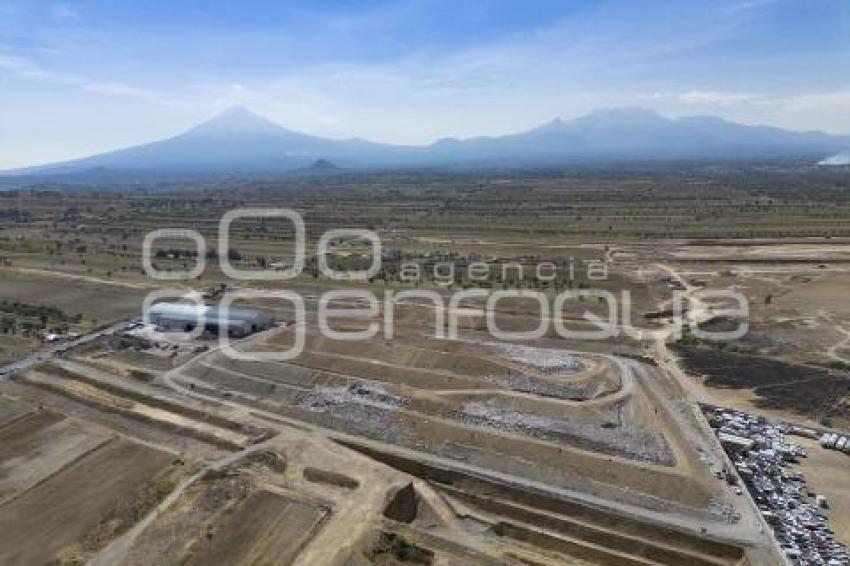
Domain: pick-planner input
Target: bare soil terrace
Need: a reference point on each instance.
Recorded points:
(551, 451)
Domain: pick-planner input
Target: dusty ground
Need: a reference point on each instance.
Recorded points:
(99, 301)
(49, 520)
(826, 473)
(550, 451)
(16, 347)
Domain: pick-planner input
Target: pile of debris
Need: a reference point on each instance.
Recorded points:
(363, 408)
(359, 393)
(543, 387)
(609, 437)
(545, 360)
(762, 456)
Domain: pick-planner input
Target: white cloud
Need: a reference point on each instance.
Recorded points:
(117, 89)
(717, 98)
(24, 68)
(839, 159)
(838, 101)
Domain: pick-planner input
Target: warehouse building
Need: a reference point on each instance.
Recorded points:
(235, 322)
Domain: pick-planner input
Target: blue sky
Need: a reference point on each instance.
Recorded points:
(79, 77)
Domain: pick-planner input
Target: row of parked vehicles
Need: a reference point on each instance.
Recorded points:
(836, 441)
(763, 458)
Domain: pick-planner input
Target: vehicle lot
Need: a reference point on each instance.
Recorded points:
(766, 462)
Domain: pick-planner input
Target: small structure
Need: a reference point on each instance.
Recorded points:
(734, 443)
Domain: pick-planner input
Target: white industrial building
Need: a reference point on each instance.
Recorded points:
(179, 317)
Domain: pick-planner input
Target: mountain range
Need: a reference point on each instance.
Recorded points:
(240, 141)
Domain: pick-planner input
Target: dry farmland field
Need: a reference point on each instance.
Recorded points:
(123, 445)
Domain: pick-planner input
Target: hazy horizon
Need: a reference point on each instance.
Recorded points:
(240, 116)
(79, 78)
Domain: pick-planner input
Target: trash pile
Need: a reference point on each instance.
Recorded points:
(360, 393)
(609, 437)
(546, 360)
(581, 391)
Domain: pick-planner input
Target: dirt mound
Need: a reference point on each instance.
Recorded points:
(403, 505)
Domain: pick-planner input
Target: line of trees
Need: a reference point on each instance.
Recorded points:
(27, 319)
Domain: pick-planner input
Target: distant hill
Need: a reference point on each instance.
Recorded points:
(636, 133)
(236, 140)
(323, 165)
(239, 141)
